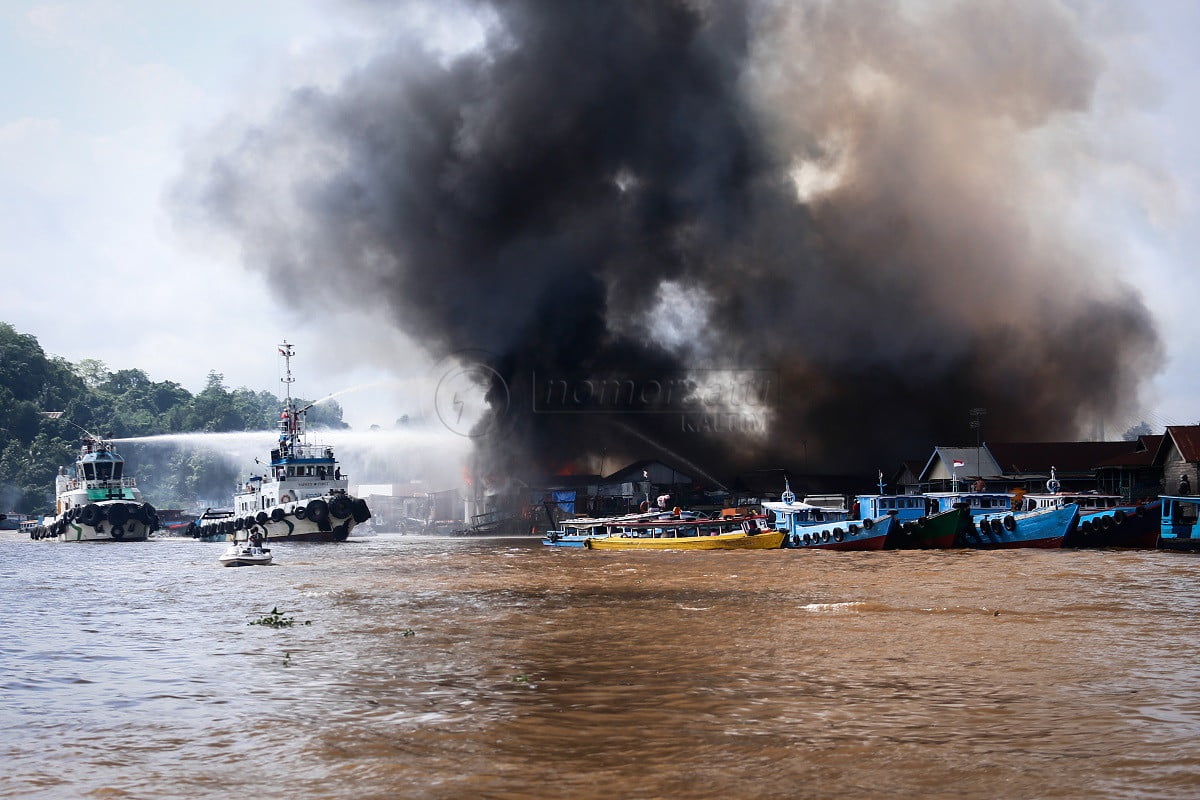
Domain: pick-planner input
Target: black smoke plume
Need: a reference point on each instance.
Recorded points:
(867, 203)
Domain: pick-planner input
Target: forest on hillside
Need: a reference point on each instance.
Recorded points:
(118, 404)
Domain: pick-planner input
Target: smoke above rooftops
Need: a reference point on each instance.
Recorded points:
(732, 234)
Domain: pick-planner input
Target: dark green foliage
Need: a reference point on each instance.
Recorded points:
(121, 404)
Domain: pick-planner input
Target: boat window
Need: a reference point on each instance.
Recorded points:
(104, 471)
(89, 472)
(117, 470)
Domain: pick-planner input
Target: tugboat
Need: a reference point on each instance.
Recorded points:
(98, 503)
(303, 494)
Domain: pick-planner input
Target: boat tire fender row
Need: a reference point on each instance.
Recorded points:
(838, 535)
(300, 511)
(277, 514)
(117, 532)
(868, 523)
(1010, 522)
(1119, 517)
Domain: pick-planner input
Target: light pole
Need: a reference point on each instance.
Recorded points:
(977, 415)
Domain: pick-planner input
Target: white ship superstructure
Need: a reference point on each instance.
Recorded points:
(99, 503)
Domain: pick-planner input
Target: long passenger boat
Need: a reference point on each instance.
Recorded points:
(575, 532)
(671, 530)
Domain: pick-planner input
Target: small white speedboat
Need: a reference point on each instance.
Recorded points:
(245, 554)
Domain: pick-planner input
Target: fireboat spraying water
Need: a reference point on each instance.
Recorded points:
(302, 494)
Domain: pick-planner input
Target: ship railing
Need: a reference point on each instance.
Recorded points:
(123, 483)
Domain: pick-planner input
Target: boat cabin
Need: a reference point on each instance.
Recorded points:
(99, 475)
(789, 516)
(904, 506)
(1179, 515)
(976, 502)
(1088, 503)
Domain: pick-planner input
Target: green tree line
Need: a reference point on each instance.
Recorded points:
(119, 404)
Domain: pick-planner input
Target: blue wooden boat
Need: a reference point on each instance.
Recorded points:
(807, 525)
(1045, 527)
(920, 524)
(1177, 529)
(1104, 520)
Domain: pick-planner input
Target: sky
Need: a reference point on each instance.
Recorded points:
(102, 101)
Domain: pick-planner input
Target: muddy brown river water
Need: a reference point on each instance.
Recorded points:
(498, 668)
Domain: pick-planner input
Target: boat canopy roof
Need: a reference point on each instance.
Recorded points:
(798, 506)
(596, 522)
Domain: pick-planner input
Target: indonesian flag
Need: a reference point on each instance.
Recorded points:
(958, 463)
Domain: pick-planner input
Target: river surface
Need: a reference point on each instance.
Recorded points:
(498, 668)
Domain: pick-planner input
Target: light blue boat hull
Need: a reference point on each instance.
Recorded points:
(1044, 528)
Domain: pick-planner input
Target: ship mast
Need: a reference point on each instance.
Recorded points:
(290, 424)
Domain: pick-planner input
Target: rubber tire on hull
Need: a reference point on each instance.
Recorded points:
(340, 507)
(361, 512)
(318, 510)
(118, 514)
(91, 514)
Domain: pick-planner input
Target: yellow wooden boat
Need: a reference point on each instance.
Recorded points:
(736, 540)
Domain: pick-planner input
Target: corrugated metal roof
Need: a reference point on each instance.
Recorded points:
(1016, 458)
(1142, 455)
(1187, 440)
(977, 462)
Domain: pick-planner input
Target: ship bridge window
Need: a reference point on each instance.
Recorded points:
(117, 467)
(104, 471)
(89, 472)
(291, 471)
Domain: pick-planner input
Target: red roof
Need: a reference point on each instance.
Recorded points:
(1187, 440)
(1039, 457)
(1143, 456)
